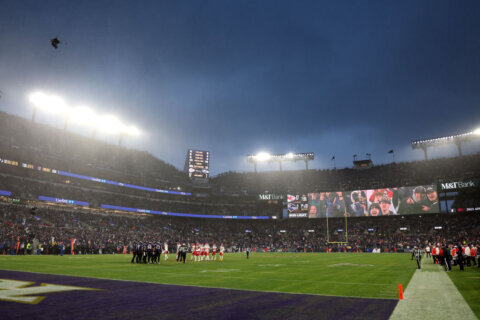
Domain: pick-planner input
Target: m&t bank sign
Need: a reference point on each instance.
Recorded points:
(456, 185)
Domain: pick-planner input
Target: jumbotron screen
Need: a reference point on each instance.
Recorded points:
(198, 164)
(297, 205)
(374, 202)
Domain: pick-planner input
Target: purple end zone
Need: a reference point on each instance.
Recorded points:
(131, 300)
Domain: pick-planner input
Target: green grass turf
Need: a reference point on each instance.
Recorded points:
(468, 284)
(338, 274)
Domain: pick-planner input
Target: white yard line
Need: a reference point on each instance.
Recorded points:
(432, 295)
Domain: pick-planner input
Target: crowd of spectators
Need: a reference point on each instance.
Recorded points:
(110, 232)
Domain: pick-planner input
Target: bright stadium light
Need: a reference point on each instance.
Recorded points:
(48, 103)
(280, 158)
(131, 131)
(83, 115)
(37, 98)
(458, 139)
(263, 156)
(110, 124)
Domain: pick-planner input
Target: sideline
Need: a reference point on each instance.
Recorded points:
(432, 295)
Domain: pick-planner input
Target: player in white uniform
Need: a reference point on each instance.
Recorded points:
(165, 251)
(193, 252)
(207, 251)
(222, 250)
(200, 252)
(214, 252)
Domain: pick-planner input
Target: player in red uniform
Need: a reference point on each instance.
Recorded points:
(202, 252)
(207, 252)
(214, 252)
(197, 252)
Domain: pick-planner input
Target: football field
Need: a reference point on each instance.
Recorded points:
(338, 274)
(273, 285)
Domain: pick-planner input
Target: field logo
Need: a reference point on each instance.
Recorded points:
(22, 292)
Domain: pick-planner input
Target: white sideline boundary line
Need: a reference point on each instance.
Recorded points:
(431, 294)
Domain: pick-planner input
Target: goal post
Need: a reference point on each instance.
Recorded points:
(345, 230)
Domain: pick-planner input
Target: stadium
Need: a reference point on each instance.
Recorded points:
(96, 224)
(68, 217)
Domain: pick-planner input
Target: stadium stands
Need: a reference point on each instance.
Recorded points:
(112, 231)
(32, 154)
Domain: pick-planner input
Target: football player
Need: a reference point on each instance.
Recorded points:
(222, 250)
(214, 252)
(165, 250)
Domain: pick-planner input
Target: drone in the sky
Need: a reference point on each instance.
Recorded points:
(55, 42)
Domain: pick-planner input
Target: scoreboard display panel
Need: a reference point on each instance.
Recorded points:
(198, 164)
(421, 199)
(297, 205)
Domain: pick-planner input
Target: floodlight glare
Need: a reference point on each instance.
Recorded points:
(131, 130)
(48, 103)
(263, 156)
(477, 131)
(36, 97)
(110, 124)
(280, 158)
(83, 116)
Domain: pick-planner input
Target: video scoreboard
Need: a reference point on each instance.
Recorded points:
(418, 199)
(197, 164)
(297, 205)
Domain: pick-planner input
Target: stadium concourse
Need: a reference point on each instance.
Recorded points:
(58, 189)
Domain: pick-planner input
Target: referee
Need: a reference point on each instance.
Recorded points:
(418, 256)
(183, 253)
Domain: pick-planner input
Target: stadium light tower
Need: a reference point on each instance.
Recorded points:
(129, 131)
(111, 125)
(456, 139)
(81, 115)
(48, 103)
(280, 158)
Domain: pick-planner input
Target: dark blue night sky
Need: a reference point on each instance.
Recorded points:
(238, 77)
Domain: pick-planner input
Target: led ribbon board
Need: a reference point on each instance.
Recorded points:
(176, 214)
(64, 201)
(5, 193)
(115, 183)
